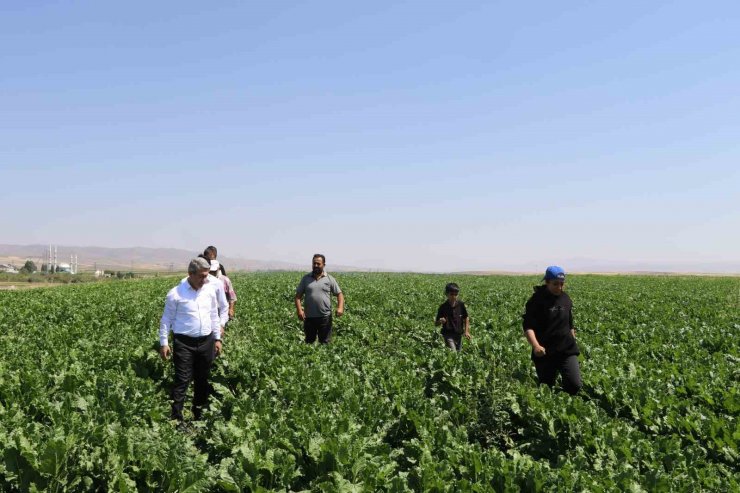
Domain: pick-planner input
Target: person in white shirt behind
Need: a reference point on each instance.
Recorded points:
(222, 294)
(229, 289)
(211, 254)
(191, 313)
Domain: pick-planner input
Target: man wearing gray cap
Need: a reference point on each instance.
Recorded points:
(191, 313)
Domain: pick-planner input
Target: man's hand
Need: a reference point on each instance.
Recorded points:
(219, 348)
(467, 335)
(340, 311)
(539, 351)
(442, 321)
(164, 352)
(301, 315)
(573, 333)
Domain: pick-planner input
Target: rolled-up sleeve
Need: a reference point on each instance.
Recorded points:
(168, 318)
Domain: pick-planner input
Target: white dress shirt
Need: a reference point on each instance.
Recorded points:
(191, 313)
(223, 305)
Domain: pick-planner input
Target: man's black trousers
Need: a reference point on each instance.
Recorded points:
(193, 357)
(317, 326)
(549, 366)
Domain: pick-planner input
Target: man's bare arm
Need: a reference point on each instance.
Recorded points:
(532, 340)
(340, 304)
(299, 307)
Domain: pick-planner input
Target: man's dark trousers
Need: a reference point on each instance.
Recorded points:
(317, 326)
(193, 358)
(548, 367)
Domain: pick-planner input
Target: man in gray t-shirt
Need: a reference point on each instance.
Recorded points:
(318, 286)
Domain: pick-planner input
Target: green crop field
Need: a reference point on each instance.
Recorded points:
(84, 397)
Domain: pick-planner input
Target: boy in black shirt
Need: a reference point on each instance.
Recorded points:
(453, 317)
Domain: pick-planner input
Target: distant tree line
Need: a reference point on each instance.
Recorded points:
(28, 268)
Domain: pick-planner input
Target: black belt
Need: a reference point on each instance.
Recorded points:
(197, 340)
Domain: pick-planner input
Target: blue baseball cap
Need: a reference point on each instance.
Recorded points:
(554, 272)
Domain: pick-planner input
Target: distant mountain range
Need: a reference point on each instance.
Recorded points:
(697, 267)
(141, 259)
(586, 265)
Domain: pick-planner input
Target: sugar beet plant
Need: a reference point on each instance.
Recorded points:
(84, 398)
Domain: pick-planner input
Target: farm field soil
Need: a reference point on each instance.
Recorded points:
(26, 285)
(84, 397)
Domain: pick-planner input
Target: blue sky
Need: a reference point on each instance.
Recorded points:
(404, 135)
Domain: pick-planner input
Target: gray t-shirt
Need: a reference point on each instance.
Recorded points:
(318, 294)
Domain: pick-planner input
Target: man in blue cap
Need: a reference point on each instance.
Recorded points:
(548, 327)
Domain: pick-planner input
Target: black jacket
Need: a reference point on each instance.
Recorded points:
(551, 317)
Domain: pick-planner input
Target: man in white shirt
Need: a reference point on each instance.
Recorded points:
(191, 313)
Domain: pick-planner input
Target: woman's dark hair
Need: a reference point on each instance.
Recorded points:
(223, 271)
(210, 249)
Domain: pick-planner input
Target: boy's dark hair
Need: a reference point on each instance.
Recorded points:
(210, 249)
(452, 288)
(318, 255)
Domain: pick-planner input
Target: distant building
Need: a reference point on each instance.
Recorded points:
(64, 268)
(9, 269)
